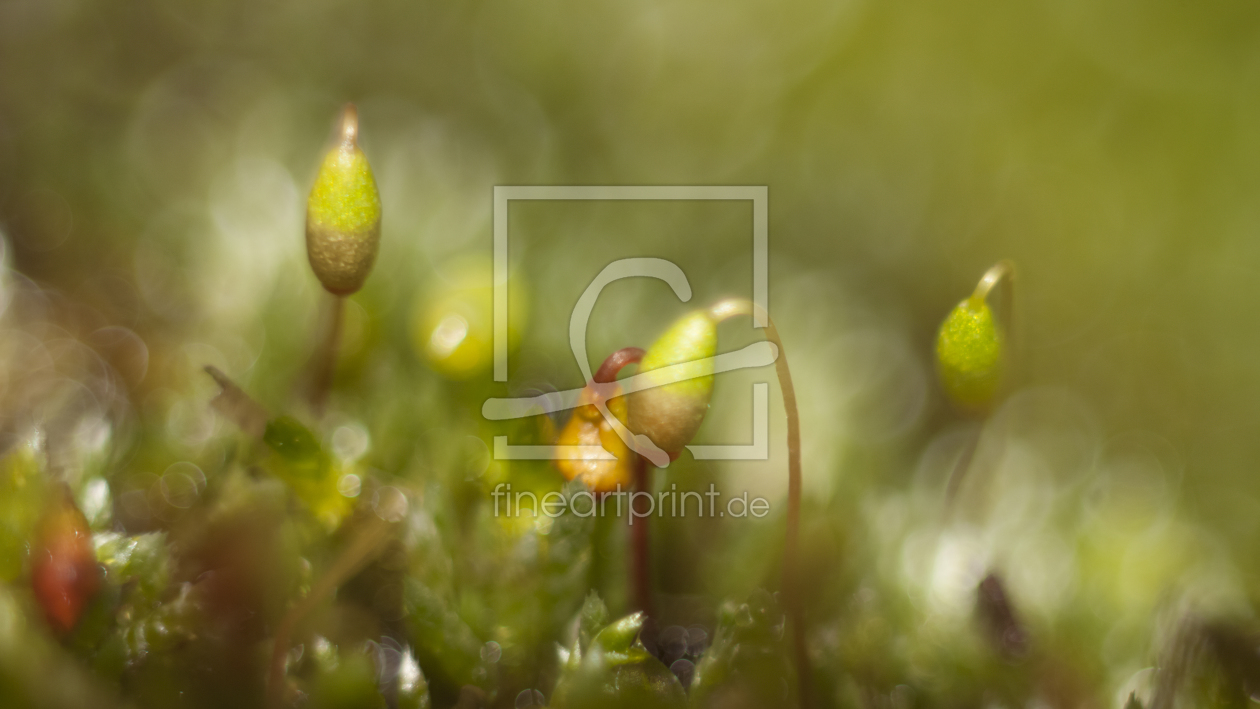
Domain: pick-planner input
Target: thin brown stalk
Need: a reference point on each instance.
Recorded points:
(324, 362)
(361, 549)
(640, 541)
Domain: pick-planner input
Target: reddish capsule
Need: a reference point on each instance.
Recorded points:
(64, 572)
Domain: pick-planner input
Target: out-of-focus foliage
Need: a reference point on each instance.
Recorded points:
(155, 159)
(747, 664)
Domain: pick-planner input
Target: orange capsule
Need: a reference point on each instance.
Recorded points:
(587, 427)
(64, 571)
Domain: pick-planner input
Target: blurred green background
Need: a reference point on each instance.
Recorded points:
(155, 157)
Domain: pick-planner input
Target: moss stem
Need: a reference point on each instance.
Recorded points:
(608, 371)
(324, 363)
(791, 563)
(640, 540)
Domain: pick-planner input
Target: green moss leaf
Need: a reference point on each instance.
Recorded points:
(618, 672)
(594, 617)
(293, 441)
(748, 657)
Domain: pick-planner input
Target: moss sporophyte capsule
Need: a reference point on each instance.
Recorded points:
(970, 354)
(670, 414)
(343, 213)
(587, 427)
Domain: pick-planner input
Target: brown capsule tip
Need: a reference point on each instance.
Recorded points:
(348, 126)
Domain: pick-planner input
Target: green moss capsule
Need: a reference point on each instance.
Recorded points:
(343, 214)
(671, 414)
(970, 354)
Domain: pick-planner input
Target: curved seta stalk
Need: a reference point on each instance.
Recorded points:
(791, 543)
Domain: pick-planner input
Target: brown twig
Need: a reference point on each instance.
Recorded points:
(999, 619)
(237, 406)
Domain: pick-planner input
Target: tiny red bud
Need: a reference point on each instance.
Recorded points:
(64, 572)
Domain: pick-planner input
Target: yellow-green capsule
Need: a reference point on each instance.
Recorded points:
(671, 414)
(343, 213)
(970, 354)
